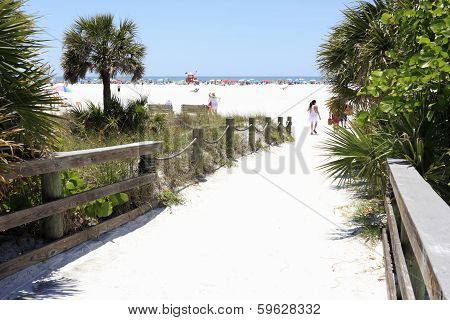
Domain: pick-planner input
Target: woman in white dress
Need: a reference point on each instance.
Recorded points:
(213, 102)
(314, 116)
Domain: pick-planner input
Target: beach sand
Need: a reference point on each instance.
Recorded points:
(268, 228)
(269, 99)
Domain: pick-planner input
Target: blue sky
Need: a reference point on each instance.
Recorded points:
(216, 38)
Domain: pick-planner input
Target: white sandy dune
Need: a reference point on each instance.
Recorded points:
(265, 229)
(269, 99)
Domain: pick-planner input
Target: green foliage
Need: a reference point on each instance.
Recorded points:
(403, 90)
(421, 74)
(73, 183)
(357, 155)
(169, 198)
(158, 123)
(354, 48)
(414, 95)
(21, 194)
(103, 208)
(275, 136)
(124, 118)
(25, 126)
(369, 217)
(96, 44)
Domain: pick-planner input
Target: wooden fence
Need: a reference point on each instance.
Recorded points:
(160, 108)
(55, 204)
(194, 108)
(417, 242)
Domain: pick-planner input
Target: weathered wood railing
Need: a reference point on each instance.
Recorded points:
(418, 237)
(54, 206)
(160, 108)
(194, 108)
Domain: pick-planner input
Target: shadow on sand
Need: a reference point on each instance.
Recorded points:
(37, 282)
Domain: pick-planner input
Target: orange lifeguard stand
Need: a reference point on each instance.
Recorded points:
(191, 77)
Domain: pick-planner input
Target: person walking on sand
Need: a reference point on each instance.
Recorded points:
(213, 102)
(314, 116)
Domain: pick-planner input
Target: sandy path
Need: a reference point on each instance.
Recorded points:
(265, 229)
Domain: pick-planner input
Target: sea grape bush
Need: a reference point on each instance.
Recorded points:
(73, 183)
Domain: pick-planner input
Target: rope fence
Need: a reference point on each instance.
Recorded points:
(198, 141)
(218, 139)
(176, 154)
(242, 129)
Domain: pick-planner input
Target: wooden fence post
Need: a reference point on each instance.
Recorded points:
(267, 133)
(147, 164)
(197, 152)
(280, 128)
(289, 125)
(251, 134)
(229, 138)
(52, 190)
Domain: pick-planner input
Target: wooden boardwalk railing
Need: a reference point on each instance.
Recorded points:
(419, 237)
(55, 204)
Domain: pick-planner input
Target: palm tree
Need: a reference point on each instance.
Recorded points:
(359, 45)
(355, 48)
(25, 125)
(95, 44)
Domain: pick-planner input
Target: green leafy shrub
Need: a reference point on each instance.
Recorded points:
(169, 198)
(73, 183)
(357, 155)
(103, 208)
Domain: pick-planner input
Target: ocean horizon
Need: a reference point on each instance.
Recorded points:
(208, 78)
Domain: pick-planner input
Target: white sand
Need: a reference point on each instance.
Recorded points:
(256, 231)
(268, 99)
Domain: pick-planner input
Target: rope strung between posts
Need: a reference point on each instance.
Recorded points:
(262, 130)
(242, 129)
(217, 140)
(177, 153)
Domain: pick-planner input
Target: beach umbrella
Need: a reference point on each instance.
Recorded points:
(61, 88)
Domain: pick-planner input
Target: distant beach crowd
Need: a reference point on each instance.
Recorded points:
(224, 82)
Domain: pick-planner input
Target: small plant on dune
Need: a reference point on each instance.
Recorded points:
(157, 123)
(170, 198)
(134, 116)
(259, 144)
(275, 137)
(130, 118)
(369, 218)
(91, 117)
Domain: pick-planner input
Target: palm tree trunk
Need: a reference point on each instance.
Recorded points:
(106, 79)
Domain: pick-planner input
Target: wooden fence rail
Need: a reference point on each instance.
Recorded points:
(55, 204)
(418, 223)
(160, 108)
